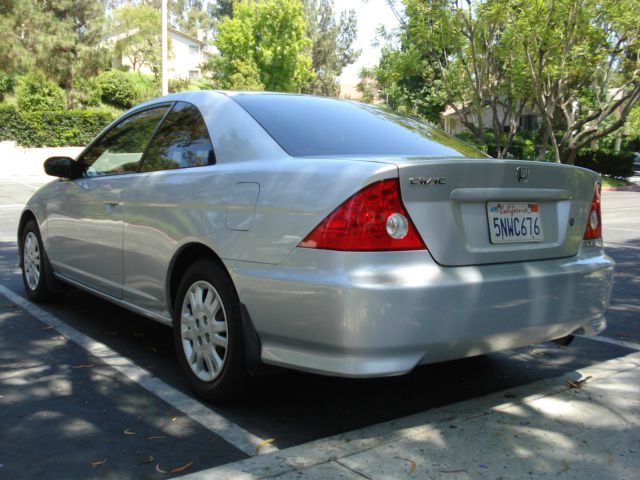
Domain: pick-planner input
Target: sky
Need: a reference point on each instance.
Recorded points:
(370, 15)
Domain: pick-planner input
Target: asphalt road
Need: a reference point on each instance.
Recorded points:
(63, 407)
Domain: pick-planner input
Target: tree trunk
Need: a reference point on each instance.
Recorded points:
(569, 156)
(618, 144)
(545, 144)
(70, 91)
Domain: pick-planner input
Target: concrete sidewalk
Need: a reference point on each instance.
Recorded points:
(16, 161)
(583, 425)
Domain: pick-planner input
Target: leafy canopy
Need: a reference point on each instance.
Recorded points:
(264, 46)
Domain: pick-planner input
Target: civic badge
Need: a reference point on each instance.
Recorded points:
(522, 174)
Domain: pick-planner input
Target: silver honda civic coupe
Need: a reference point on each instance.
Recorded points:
(317, 234)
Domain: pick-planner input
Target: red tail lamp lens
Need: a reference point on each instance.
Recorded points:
(374, 219)
(594, 221)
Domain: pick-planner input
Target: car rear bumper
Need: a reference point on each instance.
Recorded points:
(375, 314)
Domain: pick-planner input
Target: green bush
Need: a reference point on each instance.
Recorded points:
(6, 85)
(117, 88)
(36, 93)
(618, 165)
(523, 145)
(146, 87)
(124, 89)
(87, 93)
(179, 85)
(51, 129)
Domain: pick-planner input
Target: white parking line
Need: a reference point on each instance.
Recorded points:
(203, 414)
(620, 245)
(635, 230)
(613, 341)
(31, 186)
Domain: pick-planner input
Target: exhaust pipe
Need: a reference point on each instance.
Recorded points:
(564, 341)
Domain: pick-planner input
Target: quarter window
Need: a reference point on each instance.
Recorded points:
(182, 141)
(120, 149)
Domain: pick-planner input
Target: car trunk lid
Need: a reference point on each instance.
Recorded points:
(456, 203)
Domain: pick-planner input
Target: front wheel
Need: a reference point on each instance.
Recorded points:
(208, 333)
(35, 266)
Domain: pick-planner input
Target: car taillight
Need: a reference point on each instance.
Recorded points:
(594, 222)
(373, 219)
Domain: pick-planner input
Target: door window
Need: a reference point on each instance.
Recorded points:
(120, 149)
(182, 141)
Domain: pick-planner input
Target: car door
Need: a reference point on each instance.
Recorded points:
(85, 221)
(162, 206)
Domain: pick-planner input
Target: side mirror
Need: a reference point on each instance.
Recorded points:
(63, 167)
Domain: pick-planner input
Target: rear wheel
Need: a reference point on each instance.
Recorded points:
(35, 266)
(208, 333)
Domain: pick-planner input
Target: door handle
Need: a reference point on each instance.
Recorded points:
(113, 203)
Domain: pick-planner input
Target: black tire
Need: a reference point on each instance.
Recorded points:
(197, 350)
(36, 270)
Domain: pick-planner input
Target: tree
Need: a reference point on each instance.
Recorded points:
(191, 17)
(221, 9)
(264, 45)
(138, 30)
(16, 18)
(331, 48)
(583, 60)
(461, 45)
(405, 81)
(62, 37)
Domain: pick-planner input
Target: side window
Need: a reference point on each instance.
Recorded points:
(120, 149)
(182, 141)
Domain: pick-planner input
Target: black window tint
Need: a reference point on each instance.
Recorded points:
(120, 149)
(182, 141)
(313, 126)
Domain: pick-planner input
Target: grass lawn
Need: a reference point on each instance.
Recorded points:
(614, 182)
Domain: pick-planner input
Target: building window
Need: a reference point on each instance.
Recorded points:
(528, 123)
(194, 49)
(194, 74)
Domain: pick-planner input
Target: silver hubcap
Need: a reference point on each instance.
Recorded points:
(203, 329)
(31, 260)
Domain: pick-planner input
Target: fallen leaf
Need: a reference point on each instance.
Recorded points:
(157, 437)
(173, 419)
(565, 467)
(128, 431)
(610, 459)
(412, 464)
(264, 443)
(158, 469)
(85, 365)
(577, 384)
(59, 337)
(182, 468)
(95, 463)
(48, 327)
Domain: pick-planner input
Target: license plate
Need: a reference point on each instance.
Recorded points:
(512, 222)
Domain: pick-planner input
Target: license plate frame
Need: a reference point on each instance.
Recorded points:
(514, 222)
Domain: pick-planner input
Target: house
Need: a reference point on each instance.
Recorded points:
(350, 92)
(527, 121)
(186, 54)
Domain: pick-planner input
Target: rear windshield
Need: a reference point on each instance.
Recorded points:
(313, 126)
